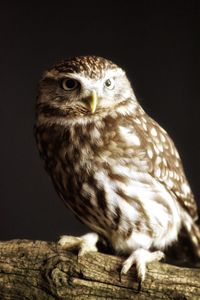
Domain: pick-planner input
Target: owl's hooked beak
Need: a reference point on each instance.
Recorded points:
(93, 101)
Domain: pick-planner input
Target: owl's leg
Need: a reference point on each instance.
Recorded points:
(86, 243)
(140, 258)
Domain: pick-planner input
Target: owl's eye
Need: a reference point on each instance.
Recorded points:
(110, 84)
(69, 84)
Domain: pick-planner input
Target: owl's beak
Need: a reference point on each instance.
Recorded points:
(93, 101)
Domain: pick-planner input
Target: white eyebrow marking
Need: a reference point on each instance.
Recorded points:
(86, 81)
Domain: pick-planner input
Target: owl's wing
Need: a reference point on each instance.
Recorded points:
(164, 161)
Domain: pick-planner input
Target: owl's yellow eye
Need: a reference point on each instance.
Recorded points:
(110, 83)
(69, 84)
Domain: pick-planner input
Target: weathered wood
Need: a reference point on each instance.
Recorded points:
(43, 270)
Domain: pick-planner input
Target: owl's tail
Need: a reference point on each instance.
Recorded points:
(194, 235)
(193, 231)
(185, 251)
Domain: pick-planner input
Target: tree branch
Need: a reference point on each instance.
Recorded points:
(43, 270)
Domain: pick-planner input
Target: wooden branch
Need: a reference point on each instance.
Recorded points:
(43, 270)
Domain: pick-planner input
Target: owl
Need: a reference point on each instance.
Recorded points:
(112, 165)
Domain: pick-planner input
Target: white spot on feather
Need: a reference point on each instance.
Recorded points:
(177, 163)
(185, 188)
(157, 172)
(137, 121)
(158, 160)
(160, 147)
(144, 119)
(170, 183)
(164, 162)
(144, 126)
(153, 131)
(156, 149)
(176, 153)
(162, 137)
(150, 152)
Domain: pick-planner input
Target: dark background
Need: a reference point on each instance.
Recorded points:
(159, 46)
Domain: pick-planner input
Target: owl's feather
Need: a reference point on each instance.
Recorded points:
(164, 160)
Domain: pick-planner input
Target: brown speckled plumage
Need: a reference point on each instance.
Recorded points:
(115, 168)
(89, 66)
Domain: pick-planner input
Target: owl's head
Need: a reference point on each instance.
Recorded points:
(82, 88)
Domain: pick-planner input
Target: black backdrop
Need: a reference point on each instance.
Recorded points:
(159, 46)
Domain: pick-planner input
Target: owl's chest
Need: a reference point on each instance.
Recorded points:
(80, 151)
(96, 174)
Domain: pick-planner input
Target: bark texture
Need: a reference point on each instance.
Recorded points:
(44, 270)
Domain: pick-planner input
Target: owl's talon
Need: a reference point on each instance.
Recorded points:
(126, 266)
(86, 243)
(139, 285)
(121, 273)
(141, 257)
(69, 242)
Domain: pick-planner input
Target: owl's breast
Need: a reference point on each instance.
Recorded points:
(102, 176)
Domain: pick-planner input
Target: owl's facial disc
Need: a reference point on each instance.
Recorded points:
(77, 93)
(94, 94)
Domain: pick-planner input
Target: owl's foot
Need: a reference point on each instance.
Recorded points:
(140, 258)
(86, 243)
